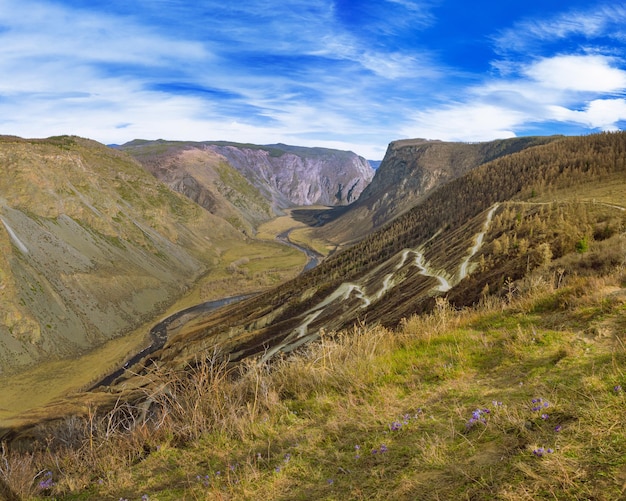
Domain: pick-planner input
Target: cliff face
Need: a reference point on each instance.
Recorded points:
(91, 245)
(301, 176)
(410, 171)
(250, 183)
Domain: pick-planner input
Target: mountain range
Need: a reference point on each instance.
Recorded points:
(97, 240)
(248, 184)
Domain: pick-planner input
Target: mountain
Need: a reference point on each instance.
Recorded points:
(411, 169)
(469, 237)
(248, 184)
(91, 246)
(205, 177)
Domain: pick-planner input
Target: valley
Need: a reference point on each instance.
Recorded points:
(493, 272)
(259, 265)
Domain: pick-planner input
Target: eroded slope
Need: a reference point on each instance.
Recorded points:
(91, 245)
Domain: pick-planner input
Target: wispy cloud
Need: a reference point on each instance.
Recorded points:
(598, 21)
(310, 72)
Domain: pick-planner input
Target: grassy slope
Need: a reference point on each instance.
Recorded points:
(289, 430)
(379, 414)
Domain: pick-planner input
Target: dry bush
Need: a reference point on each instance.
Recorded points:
(19, 474)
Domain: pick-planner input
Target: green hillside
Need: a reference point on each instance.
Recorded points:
(518, 398)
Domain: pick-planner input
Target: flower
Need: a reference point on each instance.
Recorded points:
(544, 416)
(539, 451)
(478, 416)
(558, 428)
(47, 482)
(383, 448)
(617, 388)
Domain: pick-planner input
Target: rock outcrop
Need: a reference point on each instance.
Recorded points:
(410, 171)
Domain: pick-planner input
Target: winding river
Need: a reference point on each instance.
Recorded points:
(158, 333)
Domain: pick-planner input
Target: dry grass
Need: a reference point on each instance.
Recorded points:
(447, 406)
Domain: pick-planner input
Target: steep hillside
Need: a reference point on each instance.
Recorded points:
(466, 239)
(412, 169)
(90, 246)
(231, 178)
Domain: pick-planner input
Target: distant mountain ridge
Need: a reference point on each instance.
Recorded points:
(256, 180)
(411, 169)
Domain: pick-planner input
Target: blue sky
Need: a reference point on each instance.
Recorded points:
(343, 74)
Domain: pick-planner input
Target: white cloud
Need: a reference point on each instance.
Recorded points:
(465, 122)
(607, 20)
(598, 114)
(592, 73)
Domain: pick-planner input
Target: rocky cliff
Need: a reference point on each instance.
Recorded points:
(410, 171)
(249, 179)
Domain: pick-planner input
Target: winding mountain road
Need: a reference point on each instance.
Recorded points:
(301, 335)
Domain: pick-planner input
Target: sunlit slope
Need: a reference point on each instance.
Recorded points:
(499, 221)
(91, 245)
(248, 184)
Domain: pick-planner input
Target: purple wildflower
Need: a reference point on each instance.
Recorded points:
(477, 417)
(383, 448)
(47, 482)
(558, 428)
(395, 426)
(617, 388)
(544, 416)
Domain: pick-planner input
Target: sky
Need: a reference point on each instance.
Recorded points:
(346, 74)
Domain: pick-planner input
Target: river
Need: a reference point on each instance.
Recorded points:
(159, 335)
